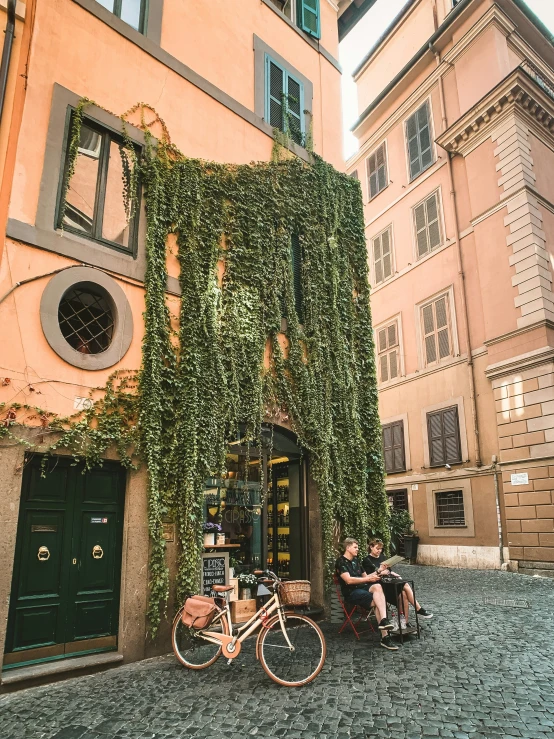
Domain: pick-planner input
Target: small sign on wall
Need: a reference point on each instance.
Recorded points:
(519, 478)
(415, 487)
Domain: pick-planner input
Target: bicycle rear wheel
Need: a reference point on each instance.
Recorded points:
(296, 666)
(191, 649)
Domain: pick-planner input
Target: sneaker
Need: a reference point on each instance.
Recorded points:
(385, 625)
(394, 623)
(422, 613)
(387, 643)
(403, 624)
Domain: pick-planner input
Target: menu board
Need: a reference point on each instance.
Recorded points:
(215, 571)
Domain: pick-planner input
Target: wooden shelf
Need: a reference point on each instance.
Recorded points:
(222, 546)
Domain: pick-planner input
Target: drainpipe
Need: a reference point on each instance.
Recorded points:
(6, 53)
(498, 513)
(461, 275)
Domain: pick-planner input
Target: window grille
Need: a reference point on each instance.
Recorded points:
(86, 319)
(449, 508)
(388, 352)
(382, 256)
(418, 140)
(435, 318)
(377, 171)
(427, 225)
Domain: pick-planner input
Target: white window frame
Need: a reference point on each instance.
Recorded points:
(400, 337)
(442, 227)
(390, 228)
(366, 164)
(413, 110)
(449, 292)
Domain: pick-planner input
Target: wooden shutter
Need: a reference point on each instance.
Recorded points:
(294, 104)
(387, 350)
(444, 437)
(296, 264)
(436, 330)
(308, 17)
(427, 225)
(393, 447)
(418, 135)
(382, 256)
(377, 171)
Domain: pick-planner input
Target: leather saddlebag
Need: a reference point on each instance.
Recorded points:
(199, 611)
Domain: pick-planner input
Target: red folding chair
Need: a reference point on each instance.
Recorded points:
(349, 612)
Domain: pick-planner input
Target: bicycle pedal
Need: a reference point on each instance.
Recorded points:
(229, 661)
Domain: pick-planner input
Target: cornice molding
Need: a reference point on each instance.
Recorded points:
(493, 17)
(518, 332)
(518, 364)
(518, 92)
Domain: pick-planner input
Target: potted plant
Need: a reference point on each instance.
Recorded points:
(401, 530)
(246, 583)
(210, 530)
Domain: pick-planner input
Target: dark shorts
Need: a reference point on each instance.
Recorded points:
(360, 597)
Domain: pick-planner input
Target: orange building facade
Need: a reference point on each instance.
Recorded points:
(71, 276)
(455, 160)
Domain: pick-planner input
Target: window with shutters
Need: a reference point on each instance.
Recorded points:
(427, 225)
(307, 17)
(132, 12)
(296, 264)
(418, 140)
(377, 176)
(284, 100)
(443, 429)
(287, 7)
(449, 508)
(381, 247)
(393, 447)
(388, 352)
(436, 330)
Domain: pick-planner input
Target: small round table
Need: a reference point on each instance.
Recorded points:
(398, 584)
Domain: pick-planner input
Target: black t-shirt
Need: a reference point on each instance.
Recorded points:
(372, 564)
(354, 569)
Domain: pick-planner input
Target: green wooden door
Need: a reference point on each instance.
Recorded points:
(65, 587)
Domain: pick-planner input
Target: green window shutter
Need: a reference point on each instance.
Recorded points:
(274, 93)
(295, 105)
(308, 17)
(296, 264)
(418, 135)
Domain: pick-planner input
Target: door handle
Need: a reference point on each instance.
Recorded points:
(97, 552)
(43, 554)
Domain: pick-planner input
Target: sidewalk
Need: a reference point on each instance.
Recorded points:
(478, 672)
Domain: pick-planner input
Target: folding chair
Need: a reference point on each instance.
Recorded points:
(349, 610)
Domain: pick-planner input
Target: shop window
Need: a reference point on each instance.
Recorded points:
(284, 100)
(443, 429)
(382, 256)
(94, 202)
(449, 508)
(377, 171)
(418, 141)
(436, 328)
(393, 447)
(427, 225)
(132, 12)
(388, 352)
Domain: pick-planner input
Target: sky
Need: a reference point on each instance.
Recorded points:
(358, 42)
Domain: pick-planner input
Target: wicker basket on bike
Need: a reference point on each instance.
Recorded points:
(295, 592)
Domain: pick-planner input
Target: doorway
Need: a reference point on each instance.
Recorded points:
(66, 578)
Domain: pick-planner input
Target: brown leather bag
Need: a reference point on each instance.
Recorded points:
(199, 611)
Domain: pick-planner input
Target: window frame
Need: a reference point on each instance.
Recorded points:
(385, 326)
(445, 460)
(268, 60)
(427, 104)
(437, 193)
(449, 326)
(379, 235)
(107, 133)
(385, 148)
(438, 525)
(143, 16)
(391, 425)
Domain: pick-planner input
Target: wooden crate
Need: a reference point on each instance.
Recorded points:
(242, 610)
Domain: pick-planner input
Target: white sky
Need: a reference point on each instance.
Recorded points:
(358, 42)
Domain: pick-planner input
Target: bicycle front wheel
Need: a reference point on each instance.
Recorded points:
(297, 665)
(190, 648)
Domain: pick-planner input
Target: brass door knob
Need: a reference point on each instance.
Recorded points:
(97, 552)
(43, 554)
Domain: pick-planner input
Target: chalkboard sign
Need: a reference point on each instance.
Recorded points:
(215, 571)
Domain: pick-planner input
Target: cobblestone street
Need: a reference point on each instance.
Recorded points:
(479, 671)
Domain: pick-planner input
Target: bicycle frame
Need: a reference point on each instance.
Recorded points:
(231, 645)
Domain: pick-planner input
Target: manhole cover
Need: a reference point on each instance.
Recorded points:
(506, 603)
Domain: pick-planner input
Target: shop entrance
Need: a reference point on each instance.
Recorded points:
(65, 586)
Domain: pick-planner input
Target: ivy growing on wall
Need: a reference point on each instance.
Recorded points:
(240, 354)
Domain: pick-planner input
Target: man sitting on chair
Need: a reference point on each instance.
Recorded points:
(359, 589)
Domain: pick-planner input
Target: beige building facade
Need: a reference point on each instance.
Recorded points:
(455, 160)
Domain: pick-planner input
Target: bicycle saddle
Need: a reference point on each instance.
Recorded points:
(222, 588)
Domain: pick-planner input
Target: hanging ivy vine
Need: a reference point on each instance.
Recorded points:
(230, 365)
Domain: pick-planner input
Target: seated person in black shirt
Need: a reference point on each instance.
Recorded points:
(359, 589)
(373, 563)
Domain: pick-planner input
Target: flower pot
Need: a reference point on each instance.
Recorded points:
(209, 539)
(410, 546)
(245, 594)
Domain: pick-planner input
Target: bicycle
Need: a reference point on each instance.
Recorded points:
(290, 646)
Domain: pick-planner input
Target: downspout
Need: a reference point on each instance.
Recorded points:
(6, 53)
(498, 511)
(461, 275)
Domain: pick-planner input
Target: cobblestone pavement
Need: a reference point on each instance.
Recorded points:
(478, 672)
